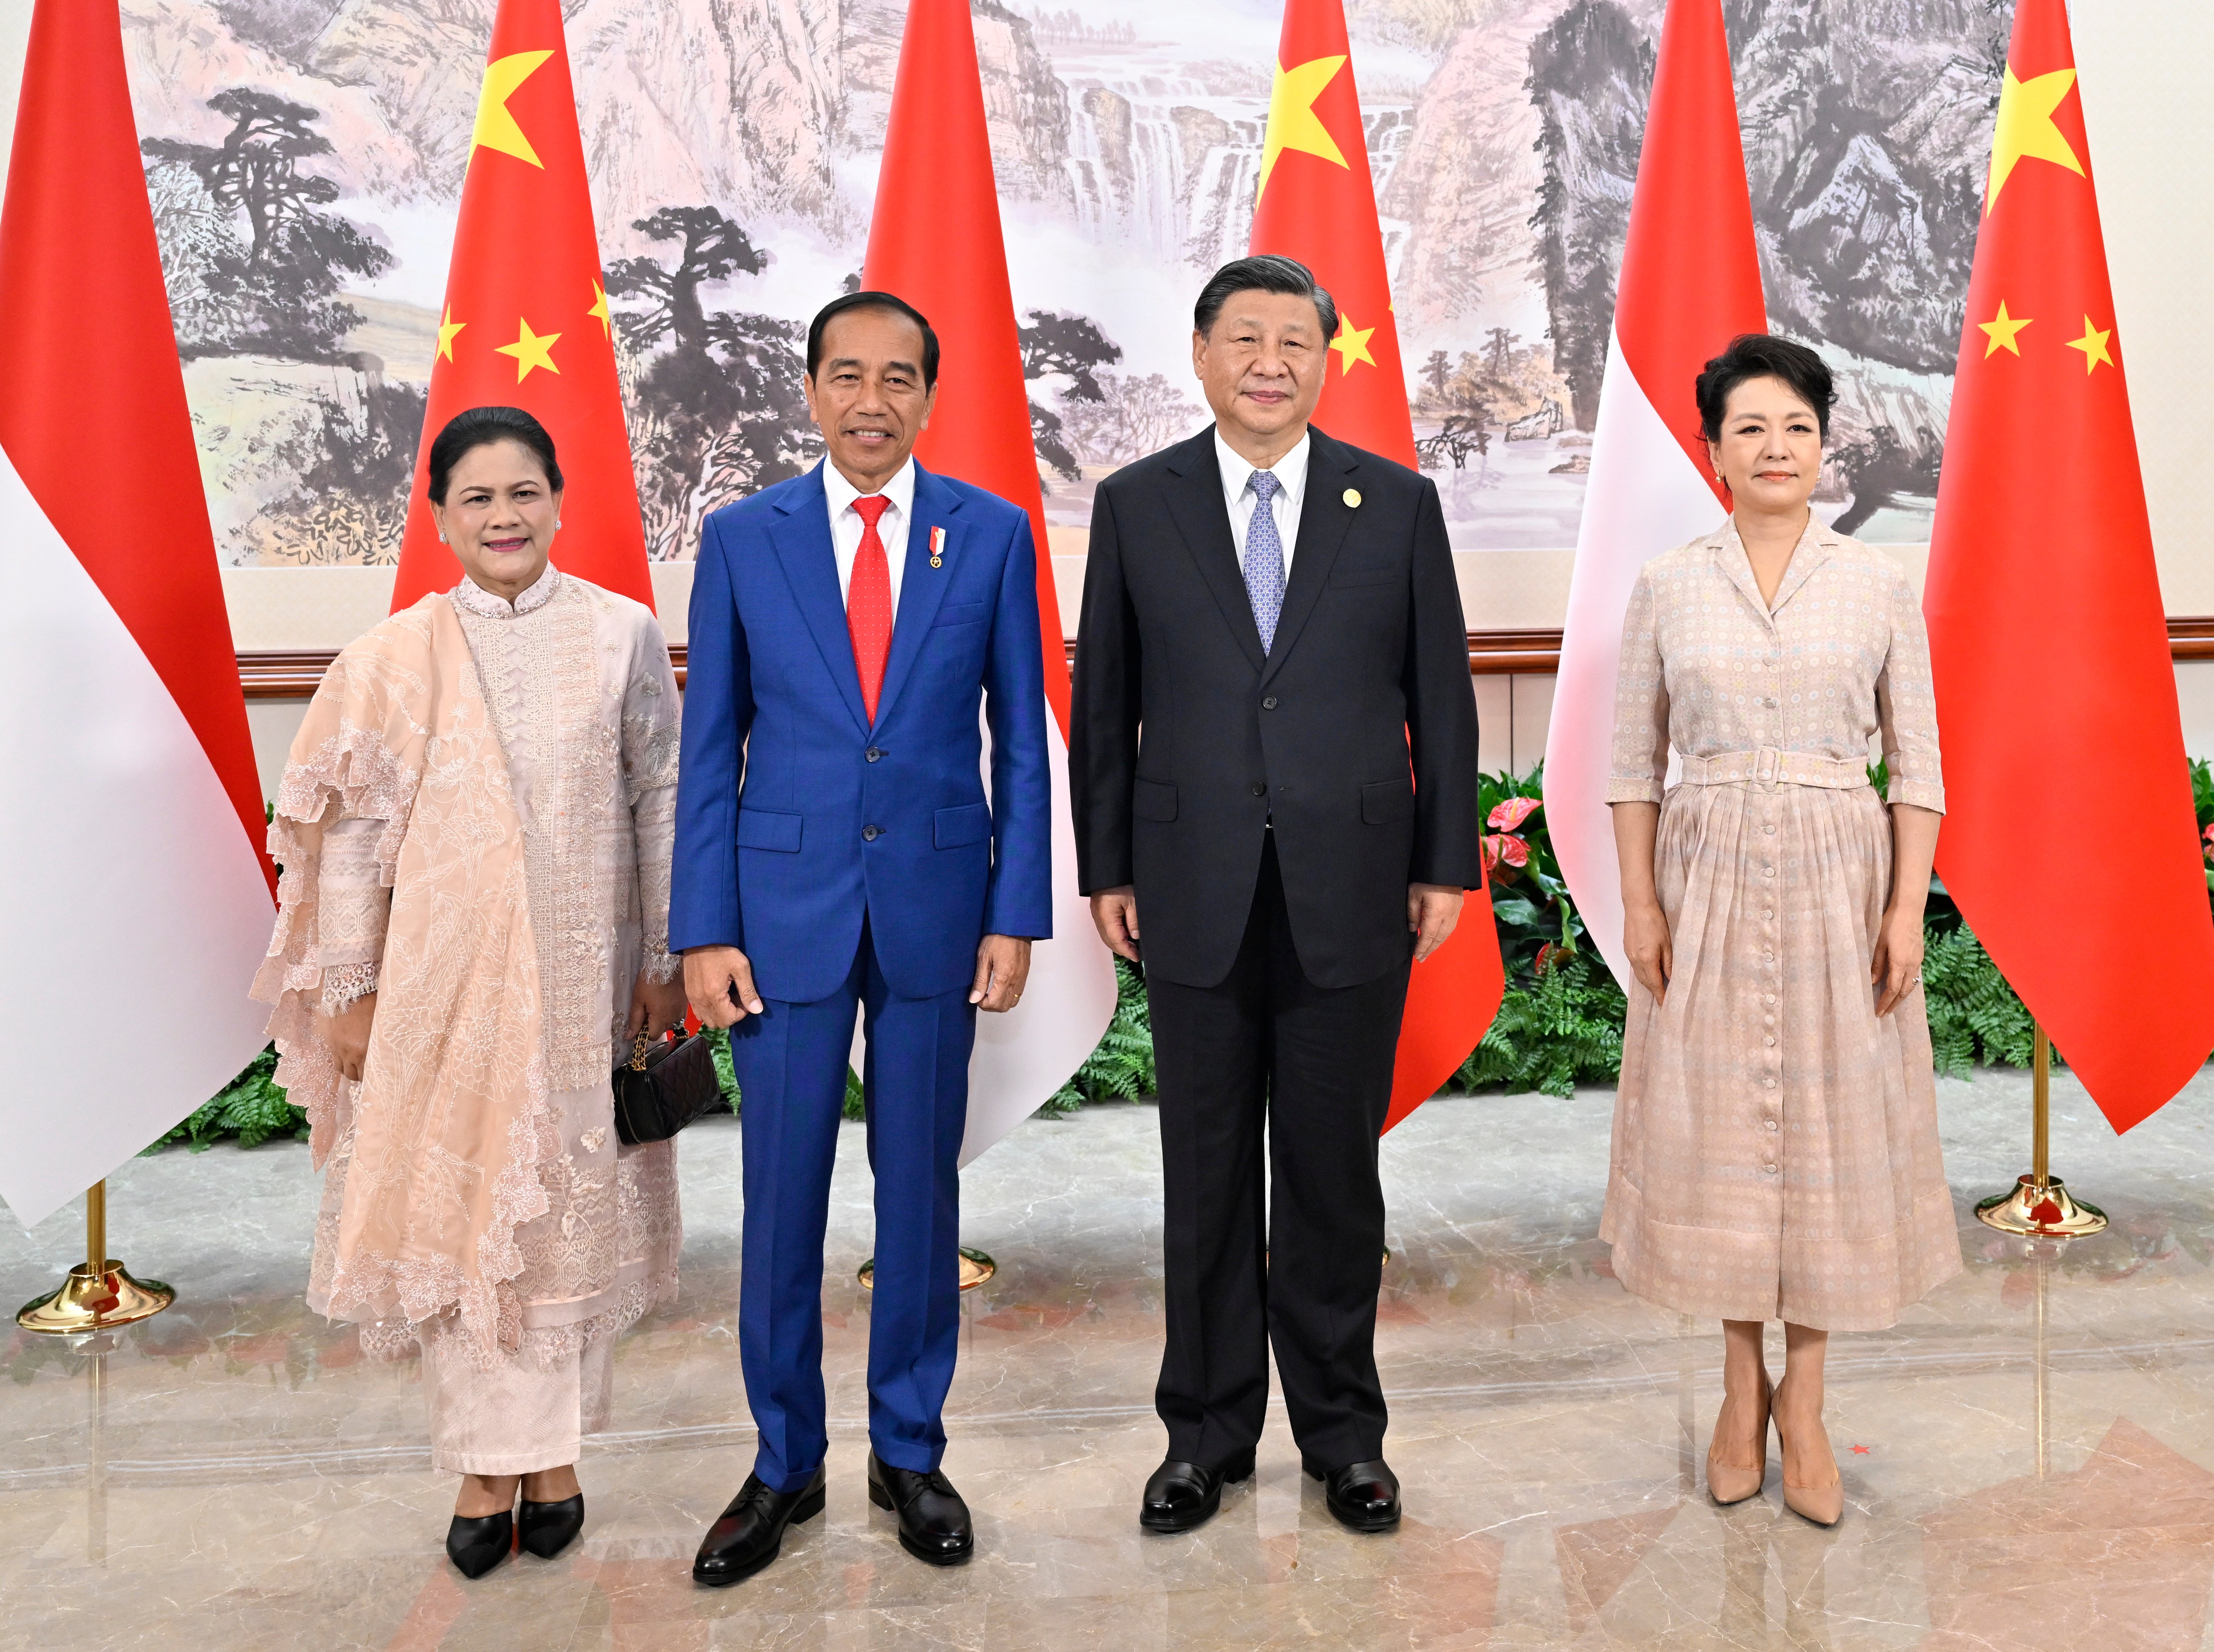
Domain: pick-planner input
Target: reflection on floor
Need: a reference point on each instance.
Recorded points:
(232, 1474)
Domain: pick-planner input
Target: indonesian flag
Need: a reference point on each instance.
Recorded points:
(934, 240)
(1690, 284)
(525, 322)
(1318, 205)
(2046, 630)
(130, 821)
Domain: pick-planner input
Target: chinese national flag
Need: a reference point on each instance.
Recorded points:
(525, 322)
(1318, 205)
(2056, 695)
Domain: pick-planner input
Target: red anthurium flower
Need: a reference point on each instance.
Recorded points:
(1515, 810)
(1504, 846)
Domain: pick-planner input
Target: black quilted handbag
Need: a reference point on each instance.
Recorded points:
(663, 1088)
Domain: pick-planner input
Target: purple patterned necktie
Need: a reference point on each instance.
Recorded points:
(1265, 557)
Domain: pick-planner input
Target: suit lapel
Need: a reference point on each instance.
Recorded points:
(922, 588)
(802, 537)
(1196, 506)
(1325, 518)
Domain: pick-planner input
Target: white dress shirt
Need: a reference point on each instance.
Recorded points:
(846, 524)
(1236, 474)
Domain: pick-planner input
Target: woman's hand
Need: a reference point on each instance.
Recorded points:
(1652, 954)
(1897, 970)
(347, 1034)
(655, 1007)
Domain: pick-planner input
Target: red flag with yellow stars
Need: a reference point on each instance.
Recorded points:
(2056, 694)
(525, 322)
(1318, 205)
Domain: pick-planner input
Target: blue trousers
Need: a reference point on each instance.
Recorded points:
(791, 1063)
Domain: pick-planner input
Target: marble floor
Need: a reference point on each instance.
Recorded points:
(2028, 1458)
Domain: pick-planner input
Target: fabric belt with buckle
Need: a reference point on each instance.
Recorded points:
(1769, 766)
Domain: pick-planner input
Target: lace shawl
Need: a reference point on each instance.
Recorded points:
(434, 1158)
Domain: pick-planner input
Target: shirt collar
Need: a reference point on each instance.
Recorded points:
(1237, 471)
(841, 493)
(477, 600)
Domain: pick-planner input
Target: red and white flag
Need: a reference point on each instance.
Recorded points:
(934, 239)
(131, 824)
(1317, 203)
(1690, 284)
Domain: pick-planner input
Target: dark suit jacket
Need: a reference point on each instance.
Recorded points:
(1356, 732)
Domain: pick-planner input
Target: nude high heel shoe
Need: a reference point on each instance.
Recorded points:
(1727, 1484)
(1824, 1505)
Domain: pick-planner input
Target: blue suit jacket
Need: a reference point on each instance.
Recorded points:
(795, 816)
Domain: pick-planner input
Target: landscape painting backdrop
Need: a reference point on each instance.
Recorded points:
(305, 160)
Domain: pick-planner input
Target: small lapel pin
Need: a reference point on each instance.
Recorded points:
(937, 547)
(1352, 497)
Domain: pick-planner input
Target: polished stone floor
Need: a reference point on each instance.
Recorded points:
(2028, 1458)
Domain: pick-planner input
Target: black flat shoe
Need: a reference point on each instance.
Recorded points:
(933, 1521)
(547, 1528)
(751, 1533)
(1181, 1495)
(1362, 1497)
(476, 1545)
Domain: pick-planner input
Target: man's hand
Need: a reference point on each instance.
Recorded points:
(347, 1034)
(1003, 964)
(719, 982)
(1115, 915)
(655, 1007)
(1433, 909)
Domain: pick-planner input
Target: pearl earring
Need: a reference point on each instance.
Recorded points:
(557, 522)
(442, 539)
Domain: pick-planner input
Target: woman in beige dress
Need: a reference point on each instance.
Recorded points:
(475, 828)
(1775, 1153)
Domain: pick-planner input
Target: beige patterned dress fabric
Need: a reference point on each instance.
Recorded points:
(577, 696)
(1775, 1152)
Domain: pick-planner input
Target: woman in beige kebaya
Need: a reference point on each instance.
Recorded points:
(1776, 1151)
(475, 828)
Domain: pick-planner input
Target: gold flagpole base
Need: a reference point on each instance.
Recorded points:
(93, 1301)
(976, 1269)
(2036, 1212)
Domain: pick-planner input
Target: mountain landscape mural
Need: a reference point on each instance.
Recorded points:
(305, 159)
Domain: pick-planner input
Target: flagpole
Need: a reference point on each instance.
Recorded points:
(2038, 1207)
(100, 1291)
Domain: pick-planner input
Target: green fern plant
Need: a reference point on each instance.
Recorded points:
(1562, 1030)
(1122, 1067)
(251, 1108)
(1974, 1016)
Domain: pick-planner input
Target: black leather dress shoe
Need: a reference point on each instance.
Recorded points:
(933, 1521)
(547, 1528)
(476, 1545)
(751, 1533)
(1362, 1497)
(1181, 1495)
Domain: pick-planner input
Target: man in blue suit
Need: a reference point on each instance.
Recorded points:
(835, 848)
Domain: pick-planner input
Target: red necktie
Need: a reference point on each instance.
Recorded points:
(869, 602)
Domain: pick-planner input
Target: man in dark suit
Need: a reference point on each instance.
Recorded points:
(834, 848)
(1277, 612)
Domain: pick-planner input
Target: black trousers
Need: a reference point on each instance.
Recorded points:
(1267, 1052)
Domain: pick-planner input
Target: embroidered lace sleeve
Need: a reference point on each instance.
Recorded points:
(650, 737)
(356, 907)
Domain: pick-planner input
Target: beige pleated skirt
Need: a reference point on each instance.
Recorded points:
(1775, 1148)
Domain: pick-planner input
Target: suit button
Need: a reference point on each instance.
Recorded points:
(1258, 790)
(870, 833)
(872, 753)
(1268, 704)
